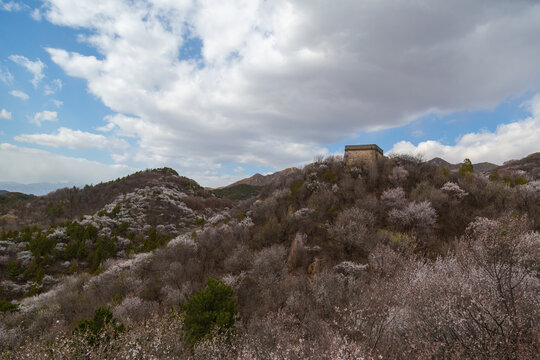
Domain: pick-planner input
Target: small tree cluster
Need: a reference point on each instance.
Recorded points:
(212, 309)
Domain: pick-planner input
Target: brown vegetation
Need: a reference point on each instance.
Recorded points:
(398, 259)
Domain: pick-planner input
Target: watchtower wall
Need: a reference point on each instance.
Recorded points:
(355, 154)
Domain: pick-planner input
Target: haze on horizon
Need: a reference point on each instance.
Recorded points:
(220, 90)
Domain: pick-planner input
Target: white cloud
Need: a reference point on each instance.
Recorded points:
(510, 141)
(534, 105)
(20, 94)
(57, 103)
(291, 76)
(6, 77)
(45, 115)
(4, 114)
(73, 139)
(11, 6)
(53, 87)
(106, 128)
(26, 165)
(36, 14)
(34, 67)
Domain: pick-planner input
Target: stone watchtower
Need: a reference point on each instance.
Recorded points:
(355, 154)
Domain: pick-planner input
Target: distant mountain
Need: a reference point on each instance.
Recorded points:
(262, 180)
(34, 189)
(440, 162)
(2, 192)
(479, 167)
(484, 167)
(527, 167)
(251, 186)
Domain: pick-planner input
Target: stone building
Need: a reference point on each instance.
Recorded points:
(355, 154)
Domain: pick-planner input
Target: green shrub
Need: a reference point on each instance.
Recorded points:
(6, 306)
(295, 190)
(466, 168)
(96, 257)
(114, 211)
(54, 210)
(94, 329)
(494, 176)
(212, 309)
(73, 268)
(14, 269)
(445, 172)
(34, 271)
(520, 181)
(330, 176)
(41, 245)
(199, 222)
(123, 227)
(154, 240)
(332, 212)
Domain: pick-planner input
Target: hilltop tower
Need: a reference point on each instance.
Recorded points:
(355, 154)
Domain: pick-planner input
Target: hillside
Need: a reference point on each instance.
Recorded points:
(10, 198)
(400, 259)
(47, 237)
(238, 192)
(70, 203)
(530, 165)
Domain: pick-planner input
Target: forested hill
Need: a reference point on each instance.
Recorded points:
(76, 230)
(71, 203)
(396, 259)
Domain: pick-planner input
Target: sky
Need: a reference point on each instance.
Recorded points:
(91, 90)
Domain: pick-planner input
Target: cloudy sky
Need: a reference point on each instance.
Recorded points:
(95, 89)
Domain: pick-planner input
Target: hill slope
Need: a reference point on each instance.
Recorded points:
(529, 165)
(71, 203)
(238, 192)
(394, 260)
(9, 198)
(130, 215)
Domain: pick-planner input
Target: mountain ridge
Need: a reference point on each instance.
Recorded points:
(37, 189)
(262, 180)
(478, 167)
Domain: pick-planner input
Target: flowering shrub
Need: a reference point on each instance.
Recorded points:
(352, 229)
(416, 215)
(394, 198)
(454, 190)
(133, 308)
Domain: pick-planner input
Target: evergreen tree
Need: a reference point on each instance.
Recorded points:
(211, 309)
